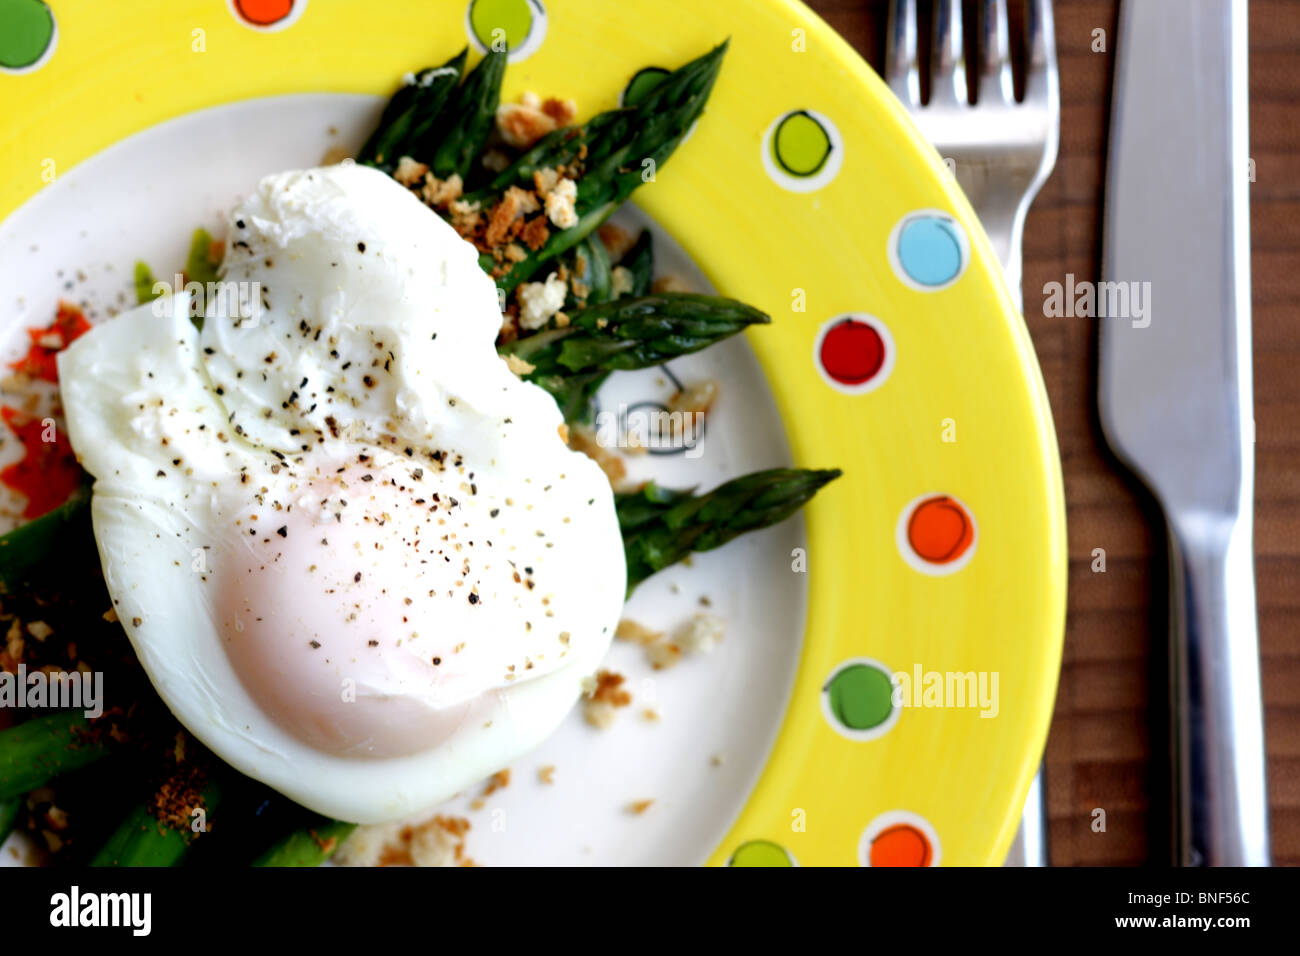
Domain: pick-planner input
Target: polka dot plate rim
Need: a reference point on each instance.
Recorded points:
(956, 423)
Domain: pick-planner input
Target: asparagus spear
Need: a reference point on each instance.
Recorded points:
(591, 267)
(35, 752)
(571, 362)
(412, 113)
(557, 148)
(472, 111)
(143, 279)
(307, 846)
(661, 525)
(143, 840)
(199, 266)
(9, 808)
(624, 148)
(25, 551)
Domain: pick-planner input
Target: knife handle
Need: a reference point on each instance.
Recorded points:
(1220, 806)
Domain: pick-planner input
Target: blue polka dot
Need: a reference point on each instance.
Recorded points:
(930, 250)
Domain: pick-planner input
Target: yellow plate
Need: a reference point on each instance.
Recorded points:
(896, 353)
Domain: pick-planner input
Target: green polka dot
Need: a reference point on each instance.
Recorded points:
(760, 853)
(861, 696)
(26, 29)
(515, 17)
(801, 146)
(639, 87)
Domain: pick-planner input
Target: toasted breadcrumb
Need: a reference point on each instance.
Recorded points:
(696, 399)
(110, 615)
(663, 655)
(638, 807)
(465, 216)
(616, 240)
(495, 161)
(535, 233)
(563, 112)
(546, 774)
(503, 215)
(442, 192)
(669, 284)
(583, 439)
(650, 714)
(498, 781)
(598, 714)
(334, 155)
(700, 634)
(561, 204)
(409, 172)
(544, 180)
(620, 281)
(563, 430)
(630, 630)
(521, 125)
(437, 842)
(605, 694)
(527, 200)
(538, 301)
(518, 365)
(609, 688)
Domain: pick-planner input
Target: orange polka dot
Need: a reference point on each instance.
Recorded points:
(901, 845)
(940, 531)
(263, 13)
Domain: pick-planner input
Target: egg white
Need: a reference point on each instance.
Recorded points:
(187, 433)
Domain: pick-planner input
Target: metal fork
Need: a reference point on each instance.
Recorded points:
(1001, 152)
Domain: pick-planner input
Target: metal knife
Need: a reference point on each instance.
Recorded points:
(1175, 391)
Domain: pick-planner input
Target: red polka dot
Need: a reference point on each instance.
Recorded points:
(852, 352)
(939, 530)
(263, 13)
(901, 845)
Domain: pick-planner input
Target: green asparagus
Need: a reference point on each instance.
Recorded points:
(143, 840)
(9, 808)
(624, 148)
(572, 362)
(412, 113)
(661, 525)
(471, 114)
(25, 552)
(38, 750)
(307, 846)
(199, 266)
(590, 266)
(143, 279)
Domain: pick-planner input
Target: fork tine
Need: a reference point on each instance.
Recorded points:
(900, 53)
(948, 55)
(995, 83)
(1041, 81)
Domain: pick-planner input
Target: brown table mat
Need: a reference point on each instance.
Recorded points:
(1107, 723)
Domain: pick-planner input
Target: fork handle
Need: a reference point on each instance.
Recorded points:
(1220, 801)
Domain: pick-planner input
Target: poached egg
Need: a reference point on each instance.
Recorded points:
(351, 549)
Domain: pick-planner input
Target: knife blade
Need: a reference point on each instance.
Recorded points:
(1175, 394)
